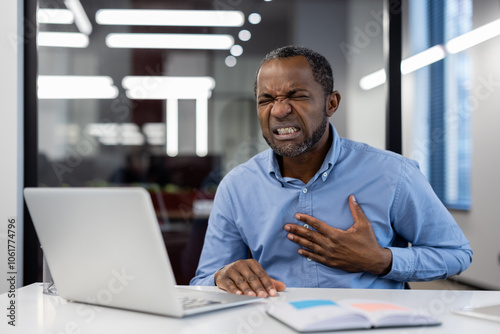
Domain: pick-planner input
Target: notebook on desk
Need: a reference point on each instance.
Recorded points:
(104, 247)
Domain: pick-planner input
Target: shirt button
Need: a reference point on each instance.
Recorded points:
(306, 226)
(304, 190)
(309, 259)
(325, 174)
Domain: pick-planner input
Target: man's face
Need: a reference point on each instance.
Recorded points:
(291, 106)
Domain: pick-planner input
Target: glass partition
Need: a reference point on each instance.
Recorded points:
(159, 94)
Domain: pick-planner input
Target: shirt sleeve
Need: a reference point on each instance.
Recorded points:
(223, 242)
(438, 247)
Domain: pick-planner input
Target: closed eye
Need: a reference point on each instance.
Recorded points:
(298, 94)
(264, 102)
(299, 97)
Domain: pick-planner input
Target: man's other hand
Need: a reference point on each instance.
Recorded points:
(247, 277)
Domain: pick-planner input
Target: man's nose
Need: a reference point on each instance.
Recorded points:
(281, 108)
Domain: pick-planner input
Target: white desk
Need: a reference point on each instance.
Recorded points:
(39, 313)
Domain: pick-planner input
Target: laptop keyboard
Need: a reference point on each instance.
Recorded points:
(195, 302)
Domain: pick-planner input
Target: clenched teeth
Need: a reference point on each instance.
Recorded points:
(284, 131)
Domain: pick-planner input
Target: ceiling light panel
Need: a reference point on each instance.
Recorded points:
(166, 17)
(76, 87)
(161, 88)
(62, 39)
(170, 41)
(81, 19)
(474, 37)
(373, 80)
(55, 16)
(422, 59)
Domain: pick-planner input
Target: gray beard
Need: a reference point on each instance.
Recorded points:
(295, 149)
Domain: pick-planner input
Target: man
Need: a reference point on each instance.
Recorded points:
(317, 210)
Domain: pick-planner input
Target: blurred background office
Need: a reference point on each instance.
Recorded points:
(159, 94)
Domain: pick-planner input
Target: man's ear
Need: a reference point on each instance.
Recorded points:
(332, 103)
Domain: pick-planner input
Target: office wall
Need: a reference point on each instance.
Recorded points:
(10, 137)
(363, 50)
(482, 223)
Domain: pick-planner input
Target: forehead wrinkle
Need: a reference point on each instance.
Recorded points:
(285, 89)
(278, 76)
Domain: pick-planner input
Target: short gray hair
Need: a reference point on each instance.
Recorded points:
(321, 69)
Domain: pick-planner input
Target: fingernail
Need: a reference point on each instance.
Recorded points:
(251, 293)
(238, 292)
(272, 292)
(287, 228)
(354, 199)
(262, 294)
(297, 216)
(289, 236)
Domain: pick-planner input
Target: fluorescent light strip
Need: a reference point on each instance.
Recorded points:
(62, 39)
(172, 89)
(156, 141)
(408, 65)
(372, 80)
(116, 134)
(163, 87)
(154, 129)
(155, 133)
(474, 37)
(422, 59)
(170, 41)
(436, 53)
(76, 87)
(158, 17)
(172, 127)
(201, 127)
(111, 140)
(55, 16)
(81, 20)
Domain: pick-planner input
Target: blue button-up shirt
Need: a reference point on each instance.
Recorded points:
(254, 202)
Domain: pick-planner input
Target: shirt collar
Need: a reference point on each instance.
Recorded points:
(325, 169)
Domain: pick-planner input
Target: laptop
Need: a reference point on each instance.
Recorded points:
(104, 247)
